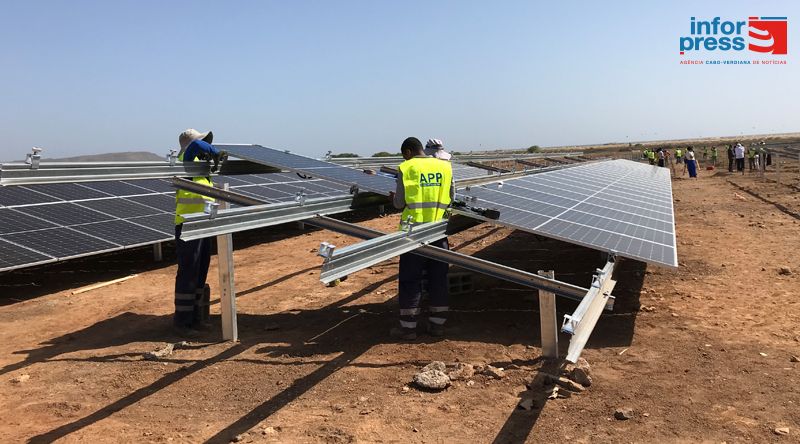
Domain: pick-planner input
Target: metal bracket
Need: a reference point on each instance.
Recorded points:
(34, 158)
(211, 209)
(172, 157)
(300, 197)
(326, 250)
(581, 322)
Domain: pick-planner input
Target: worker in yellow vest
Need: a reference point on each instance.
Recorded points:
(424, 191)
(192, 294)
(651, 156)
(678, 155)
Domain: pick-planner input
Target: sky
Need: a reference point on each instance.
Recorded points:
(85, 77)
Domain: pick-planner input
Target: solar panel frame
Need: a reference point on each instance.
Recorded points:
(13, 256)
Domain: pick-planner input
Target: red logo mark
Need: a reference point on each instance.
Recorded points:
(768, 36)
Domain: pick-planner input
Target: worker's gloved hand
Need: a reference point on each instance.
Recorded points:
(218, 159)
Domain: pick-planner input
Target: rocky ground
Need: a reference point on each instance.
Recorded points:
(702, 353)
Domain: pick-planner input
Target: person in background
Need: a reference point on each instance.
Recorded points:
(691, 162)
(731, 157)
(751, 158)
(435, 148)
(425, 188)
(661, 157)
(678, 156)
(714, 156)
(192, 295)
(705, 154)
(738, 153)
(651, 156)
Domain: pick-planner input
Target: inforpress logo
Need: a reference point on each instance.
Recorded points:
(765, 35)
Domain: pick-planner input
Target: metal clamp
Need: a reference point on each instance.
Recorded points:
(211, 208)
(326, 250)
(300, 197)
(172, 157)
(33, 158)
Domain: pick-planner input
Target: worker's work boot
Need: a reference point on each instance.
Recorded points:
(202, 308)
(403, 333)
(436, 330)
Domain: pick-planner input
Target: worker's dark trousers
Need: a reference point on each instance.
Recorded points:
(410, 287)
(751, 163)
(740, 164)
(193, 259)
(730, 164)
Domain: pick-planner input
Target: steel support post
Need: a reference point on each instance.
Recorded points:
(230, 330)
(548, 319)
(158, 255)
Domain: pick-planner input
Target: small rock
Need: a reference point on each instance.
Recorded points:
(785, 271)
(781, 430)
(160, 353)
(470, 383)
(338, 408)
(21, 378)
(526, 404)
(794, 359)
(405, 388)
(568, 384)
(269, 431)
(462, 372)
(238, 438)
(362, 399)
(494, 372)
(649, 309)
(414, 429)
(435, 365)
(582, 373)
(623, 413)
(763, 355)
(674, 315)
(646, 415)
(432, 379)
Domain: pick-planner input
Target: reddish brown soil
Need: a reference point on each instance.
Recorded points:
(708, 361)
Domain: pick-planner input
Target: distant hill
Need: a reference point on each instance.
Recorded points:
(110, 157)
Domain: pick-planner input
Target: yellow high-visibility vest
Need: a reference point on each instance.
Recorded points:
(678, 153)
(187, 202)
(426, 183)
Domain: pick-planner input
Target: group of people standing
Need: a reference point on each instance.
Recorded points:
(757, 155)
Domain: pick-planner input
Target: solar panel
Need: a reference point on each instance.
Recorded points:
(19, 195)
(116, 188)
(67, 191)
(12, 256)
(123, 232)
(315, 168)
(163, 202)
(617, 206)
(164, 223)
(12, 221)
(63, 243)
(464, 172)
(121, 208)
(64, 213)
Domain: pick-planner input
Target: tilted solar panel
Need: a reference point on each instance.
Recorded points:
(617, 206)
(313, 167)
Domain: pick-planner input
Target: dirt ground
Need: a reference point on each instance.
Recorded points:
(701, 353)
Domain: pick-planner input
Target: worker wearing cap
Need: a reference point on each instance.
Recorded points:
(435, 148)
(192, 295)
(424, 191)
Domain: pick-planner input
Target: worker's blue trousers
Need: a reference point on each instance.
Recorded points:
(412, 268)
(193, 259)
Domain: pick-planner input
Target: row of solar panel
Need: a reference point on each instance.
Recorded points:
(44, 223)
(616, 206)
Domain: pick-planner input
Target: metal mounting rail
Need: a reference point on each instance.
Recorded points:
(348, 260)
(581, 322)
(57, 172)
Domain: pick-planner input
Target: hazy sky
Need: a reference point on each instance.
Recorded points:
(83, 77)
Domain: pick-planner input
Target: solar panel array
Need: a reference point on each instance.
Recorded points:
(617, 206)
(50, 222)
